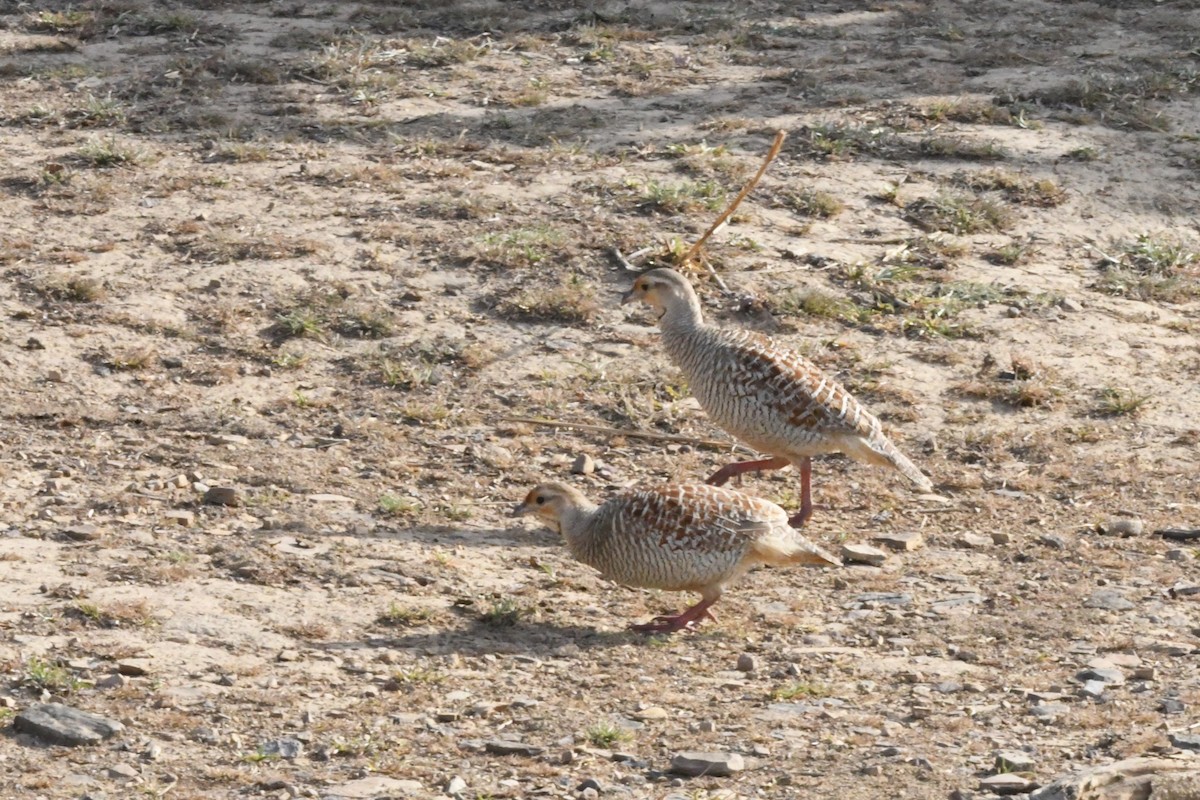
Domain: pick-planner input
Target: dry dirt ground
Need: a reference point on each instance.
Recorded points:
(330, 254)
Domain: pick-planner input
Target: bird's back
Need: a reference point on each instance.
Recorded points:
(768, 396)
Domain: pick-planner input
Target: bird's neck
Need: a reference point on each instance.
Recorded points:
(575, 526)
(682, 327)
(682, 315)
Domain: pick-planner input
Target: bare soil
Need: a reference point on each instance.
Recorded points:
(336, 256)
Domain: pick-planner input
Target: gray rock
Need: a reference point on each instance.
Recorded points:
(1053, 541)
(957, 600)
(1049, 711)
(1185, 589)
(1121, 526)
(900, 541)
(1186, 741)
(1014, 761)
(82, 533)
(883, 599)
(222, 496)
(456, 786)
(1126, 780)
(1008, 783)
(746, 663)
(61, 724)
(133, 667)
(507, 747)
(1093, 689)
(373, 786)
(1179, 534)
(1071, 305)
(863, 554)
(1172, 705)
(652, 714)
(696, 763)
(114, 681)
(1113, 677)
(583, 465)
(1108, 600)
(974, 541)
(122, 772)
(283, 748)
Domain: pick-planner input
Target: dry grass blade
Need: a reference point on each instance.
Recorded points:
(776, 146)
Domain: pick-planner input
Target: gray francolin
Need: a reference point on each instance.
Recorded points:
(676, 537)
(771, 398)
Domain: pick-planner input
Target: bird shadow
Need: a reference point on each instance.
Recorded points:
(481, 637)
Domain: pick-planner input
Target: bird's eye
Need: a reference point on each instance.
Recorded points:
(540, 500)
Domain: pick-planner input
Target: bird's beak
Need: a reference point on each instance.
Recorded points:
(627, 297)
(520, 510)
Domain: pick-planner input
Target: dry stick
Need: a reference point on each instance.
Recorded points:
(728, 212)
(628, 263)
(582, 426)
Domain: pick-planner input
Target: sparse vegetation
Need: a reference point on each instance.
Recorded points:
(1116, 401)
(959, 214)
(122, 614)
(105, 153)
(74, 289)
(50, 676)
(606, 734)
(300, 322)
(404, 616)
(570, 303)
(503, 613)
(681, 198)
(520, 248)
(800, 689)
(398, 506)
(1025, 384)
(1151, 268)
(812, 203)
(1041, 192)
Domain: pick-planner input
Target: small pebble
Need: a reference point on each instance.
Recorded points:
(717, 765)
(1121, 526)
(1007, 783)
(900, 541)
(222, 496)
(863, 554)
(1014, 761)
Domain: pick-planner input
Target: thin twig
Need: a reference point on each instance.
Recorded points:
(728, 212)
(629, 262)
(637, 434)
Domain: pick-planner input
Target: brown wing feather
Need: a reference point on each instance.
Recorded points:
(796, 389)
(697, 517)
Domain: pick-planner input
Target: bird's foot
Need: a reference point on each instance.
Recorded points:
(669, 624)
(674, 622)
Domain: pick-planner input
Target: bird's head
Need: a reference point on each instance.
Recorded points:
(550, 502)
(663, 290)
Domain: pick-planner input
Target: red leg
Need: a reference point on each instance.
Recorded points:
(722, 476)
(677, 622)
(806, 504)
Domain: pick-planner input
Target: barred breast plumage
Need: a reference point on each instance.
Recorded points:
(771, 398)
(677, 537)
